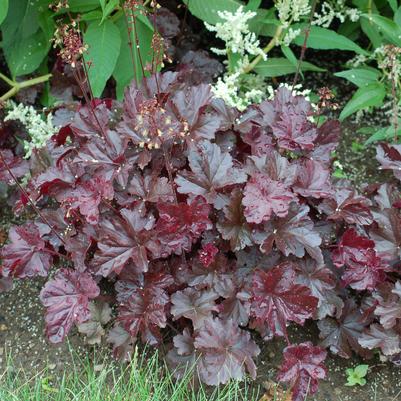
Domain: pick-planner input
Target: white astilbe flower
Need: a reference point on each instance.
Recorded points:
(240, 90)
(335, 9)
(234, 31)
(290, 36)
(296, 90)
(38, 129)
(290, 11)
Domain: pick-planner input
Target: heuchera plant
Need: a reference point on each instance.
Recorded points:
(211, 224)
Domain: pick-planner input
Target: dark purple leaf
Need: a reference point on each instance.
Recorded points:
(377, 337)
(180, 225)
(346, 205)
(18, 166)
(387, 233)
(313, 180)
(322, 283)
(293, 235)
(234, 227)
(212, 170)
(66, 298)
(351, 247)
(26, 255)
(263, 197)
(121, 240)
(227, 351)
(389, 156)
(144, 313)
(341, 335)
(194, 305)
(302, 368)
(277, 300)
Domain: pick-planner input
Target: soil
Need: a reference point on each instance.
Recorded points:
(21, 314)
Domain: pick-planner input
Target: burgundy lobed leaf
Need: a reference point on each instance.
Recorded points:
(234, 227)
(181, 224)
(389, 310)
(211, 171)
(27, 254)
(313, 180)
(183, 356)
(291, 127)
(207, 254)
(389, 156)
(123, 343)
(346, 205)
(322, 283)
(194, 305)
(144, 313)
(86, 197)
(277, 299)
(302, 368)
(386, 233)
(388, 341)
(351, 247)
(341, 335)
(151, 188)
(366, 272)
(66, 298)
(263, 197)
(227, 351)
(292, 235)
(125, 239)
(328, 137)
(18, 166)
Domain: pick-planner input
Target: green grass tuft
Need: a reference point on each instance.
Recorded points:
(145, 379)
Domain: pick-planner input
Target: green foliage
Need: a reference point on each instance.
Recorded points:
(3, 9)
(369, 95)
(326, 39)
(206, 10)
(103, 40)
(357, 375)
(275, 67)
(28, 26)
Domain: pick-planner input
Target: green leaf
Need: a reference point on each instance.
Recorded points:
(108, 8)
(253, 5)
(206, 10)
(124, 70)
(369, 95)
(361, 370)
(25, 44)
(360, 76)
(397, 17)
(383, 134)
(3, 10)
(393, 5)
(390, 30)
(325, 39)
(275, 67)
(371, 31)
(92, 15)
(103, 49)
(289, 54)
(82, 6)
(27, 54)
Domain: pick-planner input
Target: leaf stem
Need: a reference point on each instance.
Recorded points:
(17, 86)
(266, 50)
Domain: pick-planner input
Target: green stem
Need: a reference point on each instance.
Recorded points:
(17, 86)
(7, 80)
(274, 40)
